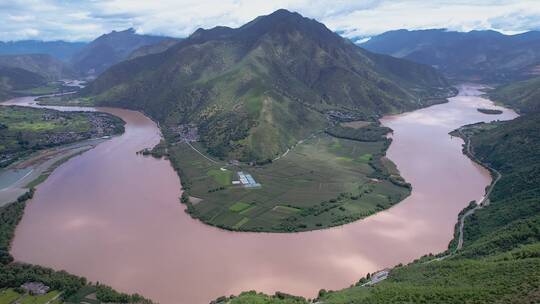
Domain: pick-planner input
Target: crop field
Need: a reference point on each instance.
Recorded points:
(50, 88)
(8, 296)
(34, 120)
(323, 182)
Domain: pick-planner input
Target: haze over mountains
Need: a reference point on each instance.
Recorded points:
(42, 64)
(257, 89)
(60, 50)
(476, 55)
(59, 59)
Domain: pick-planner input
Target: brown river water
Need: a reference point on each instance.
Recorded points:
(114, 217)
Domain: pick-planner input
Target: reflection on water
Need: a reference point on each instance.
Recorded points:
(114, 217)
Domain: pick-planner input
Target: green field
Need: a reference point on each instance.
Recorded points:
(10, 296)
(50, 88)
(66, 100)
(323, 182)
(7, 296)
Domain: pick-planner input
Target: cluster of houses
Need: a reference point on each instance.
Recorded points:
(35, 288)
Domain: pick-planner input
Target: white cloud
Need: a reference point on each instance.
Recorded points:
(85, 20)
(20, 18)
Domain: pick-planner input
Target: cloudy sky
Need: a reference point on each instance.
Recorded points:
(78, 20)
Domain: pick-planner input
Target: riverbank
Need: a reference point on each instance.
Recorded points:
(21, 176)
(17, 186)
(498, 256)
(33, 142)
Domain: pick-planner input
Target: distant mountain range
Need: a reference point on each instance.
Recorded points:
(60, 59)
(60, 50)
(109, 49)
(257, 89)
(42, 64)
(476, 55)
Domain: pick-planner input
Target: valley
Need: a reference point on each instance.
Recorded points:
(175, 238)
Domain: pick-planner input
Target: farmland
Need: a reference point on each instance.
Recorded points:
(324, 181)
(25, 130)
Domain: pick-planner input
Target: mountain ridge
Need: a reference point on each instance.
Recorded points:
(463, 56)
(257, 89)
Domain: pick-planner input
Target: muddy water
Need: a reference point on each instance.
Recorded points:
(115, 217)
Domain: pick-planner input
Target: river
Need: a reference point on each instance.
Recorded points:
(114, 217)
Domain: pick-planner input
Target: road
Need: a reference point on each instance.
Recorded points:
(485, 199)
(208, 158)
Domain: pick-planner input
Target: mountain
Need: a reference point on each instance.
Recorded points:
(154, 48)
(42, 64)
(475, 55)
(524, 96)
(60, 50)
(109, 49)
(14, 79)
(255, 90)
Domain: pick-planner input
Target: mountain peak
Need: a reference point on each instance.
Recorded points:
(279, 22)
(283, 13)
(283, 21)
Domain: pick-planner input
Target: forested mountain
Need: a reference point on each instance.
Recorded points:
(524, 96)
(42, 64)
(475, 55)
(14, 79)
(109, 49)
(60, 50)
(259, 88)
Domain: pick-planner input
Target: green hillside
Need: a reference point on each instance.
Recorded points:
(154, 48)
(256, 90)
(524, 96)
(16, 79)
